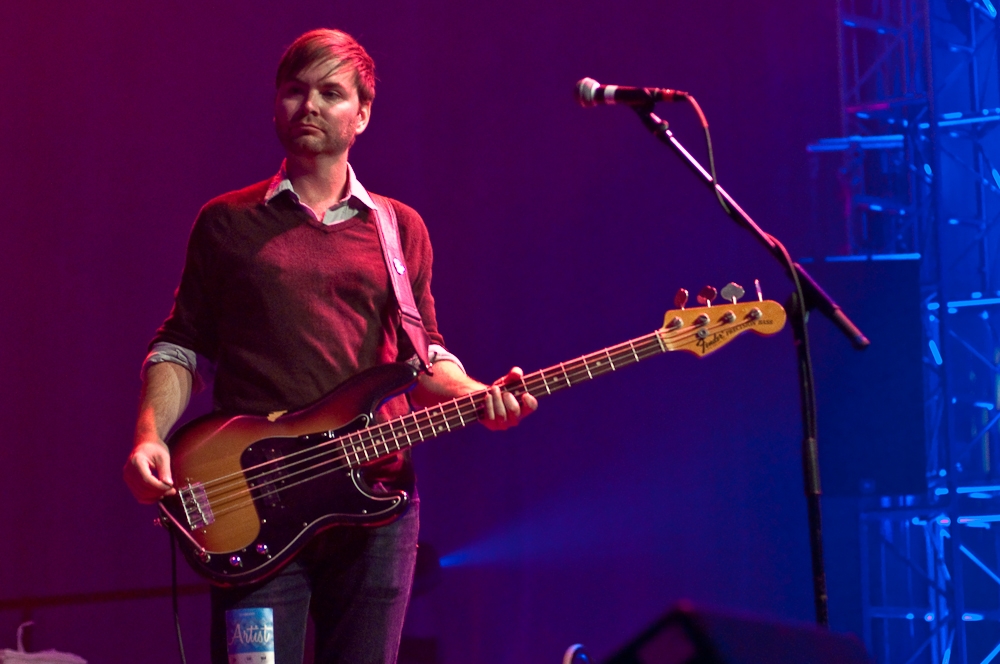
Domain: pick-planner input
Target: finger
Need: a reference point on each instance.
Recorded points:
(529, 402)
(160, 462)
(511, 406)
(499, 408)
(488, 411)
(166, 477)
(154, 473)
(146, 468)
(144, 492)
(513, 376)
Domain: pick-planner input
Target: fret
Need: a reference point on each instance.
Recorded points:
(354, 448)
(610, 361)
(432, 428)
(444, 416)
(459, 409)
(545, 383)
(381, 433)
(634, 354)
(565, 375)
(473, 409)
(598, 362)
(368, 448)
(347, 453)
(587, 367)
(575, 375)
(416, 423)
(357, 442)
(402, 425)
(659, 338)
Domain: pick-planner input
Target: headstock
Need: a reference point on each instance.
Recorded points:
(704, 330)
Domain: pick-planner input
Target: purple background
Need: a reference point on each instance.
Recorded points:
(557, 231)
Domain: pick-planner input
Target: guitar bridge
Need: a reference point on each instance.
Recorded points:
(196, 507)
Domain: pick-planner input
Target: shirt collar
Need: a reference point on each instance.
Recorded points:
(355, 190)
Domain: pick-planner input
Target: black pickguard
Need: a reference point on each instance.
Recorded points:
(292, 510)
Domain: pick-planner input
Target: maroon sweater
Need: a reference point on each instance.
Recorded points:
(288, 308)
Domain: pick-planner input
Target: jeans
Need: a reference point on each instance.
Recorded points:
(354, 581)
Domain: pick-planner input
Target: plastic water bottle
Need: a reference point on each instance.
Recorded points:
(250, 636)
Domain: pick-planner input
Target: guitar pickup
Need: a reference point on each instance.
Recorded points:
(196, 506)
(266, 458)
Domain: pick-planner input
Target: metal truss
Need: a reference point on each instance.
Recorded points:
(882, 44)
(906, 584)
(965, 299)
(931, 588)
(920, 173)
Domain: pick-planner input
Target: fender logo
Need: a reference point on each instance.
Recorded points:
(709, 342)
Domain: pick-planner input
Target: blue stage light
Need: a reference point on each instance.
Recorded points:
(935, 352)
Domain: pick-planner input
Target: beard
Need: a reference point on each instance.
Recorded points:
(330, 141)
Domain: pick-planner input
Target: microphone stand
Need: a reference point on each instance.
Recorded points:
(807, 296)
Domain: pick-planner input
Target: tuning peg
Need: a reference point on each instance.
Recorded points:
(732, 292)
(680, 298)
(706, 295)
(760, 293)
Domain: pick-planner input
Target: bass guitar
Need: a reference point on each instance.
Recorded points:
(252, 491)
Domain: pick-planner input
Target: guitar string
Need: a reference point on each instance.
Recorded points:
(580, 367)
(241, 475)
(387, 427)
(625, 351)
(366, 442)
(243, 498)
(223, 504)
(575, 367)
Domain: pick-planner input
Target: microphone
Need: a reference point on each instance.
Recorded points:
(591, 93)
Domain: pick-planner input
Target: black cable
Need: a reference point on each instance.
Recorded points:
(784, 252)
(173, 595)
(711, 154)
(799, 315)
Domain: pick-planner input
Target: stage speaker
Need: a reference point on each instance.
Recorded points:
(689, 636)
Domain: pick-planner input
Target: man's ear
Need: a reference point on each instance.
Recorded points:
(364, 115)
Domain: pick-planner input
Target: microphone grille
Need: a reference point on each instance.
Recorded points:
(586, 89)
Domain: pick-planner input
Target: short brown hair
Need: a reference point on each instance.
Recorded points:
(326, 44)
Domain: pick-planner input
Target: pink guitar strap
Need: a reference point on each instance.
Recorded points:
(388, 233)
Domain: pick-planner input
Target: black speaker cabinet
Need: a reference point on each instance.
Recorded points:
(690, 636)
(871, 403)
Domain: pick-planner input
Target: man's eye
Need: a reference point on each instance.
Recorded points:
(331, 94)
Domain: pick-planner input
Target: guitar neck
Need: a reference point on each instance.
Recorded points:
(383, 440)
(584, 368)
(700, 331)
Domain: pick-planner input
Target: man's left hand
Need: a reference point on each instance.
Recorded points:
(501, 410)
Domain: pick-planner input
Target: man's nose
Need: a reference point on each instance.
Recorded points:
(309, 103)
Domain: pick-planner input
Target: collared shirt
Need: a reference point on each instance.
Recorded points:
(355, 201)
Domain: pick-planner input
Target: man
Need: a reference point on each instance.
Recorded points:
(286, 289)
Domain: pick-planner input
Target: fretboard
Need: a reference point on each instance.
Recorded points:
(382, 440)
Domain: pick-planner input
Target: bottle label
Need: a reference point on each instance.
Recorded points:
(250, 636)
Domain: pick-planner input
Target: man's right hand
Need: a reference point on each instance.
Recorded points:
(147, 471)
(166, 390)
